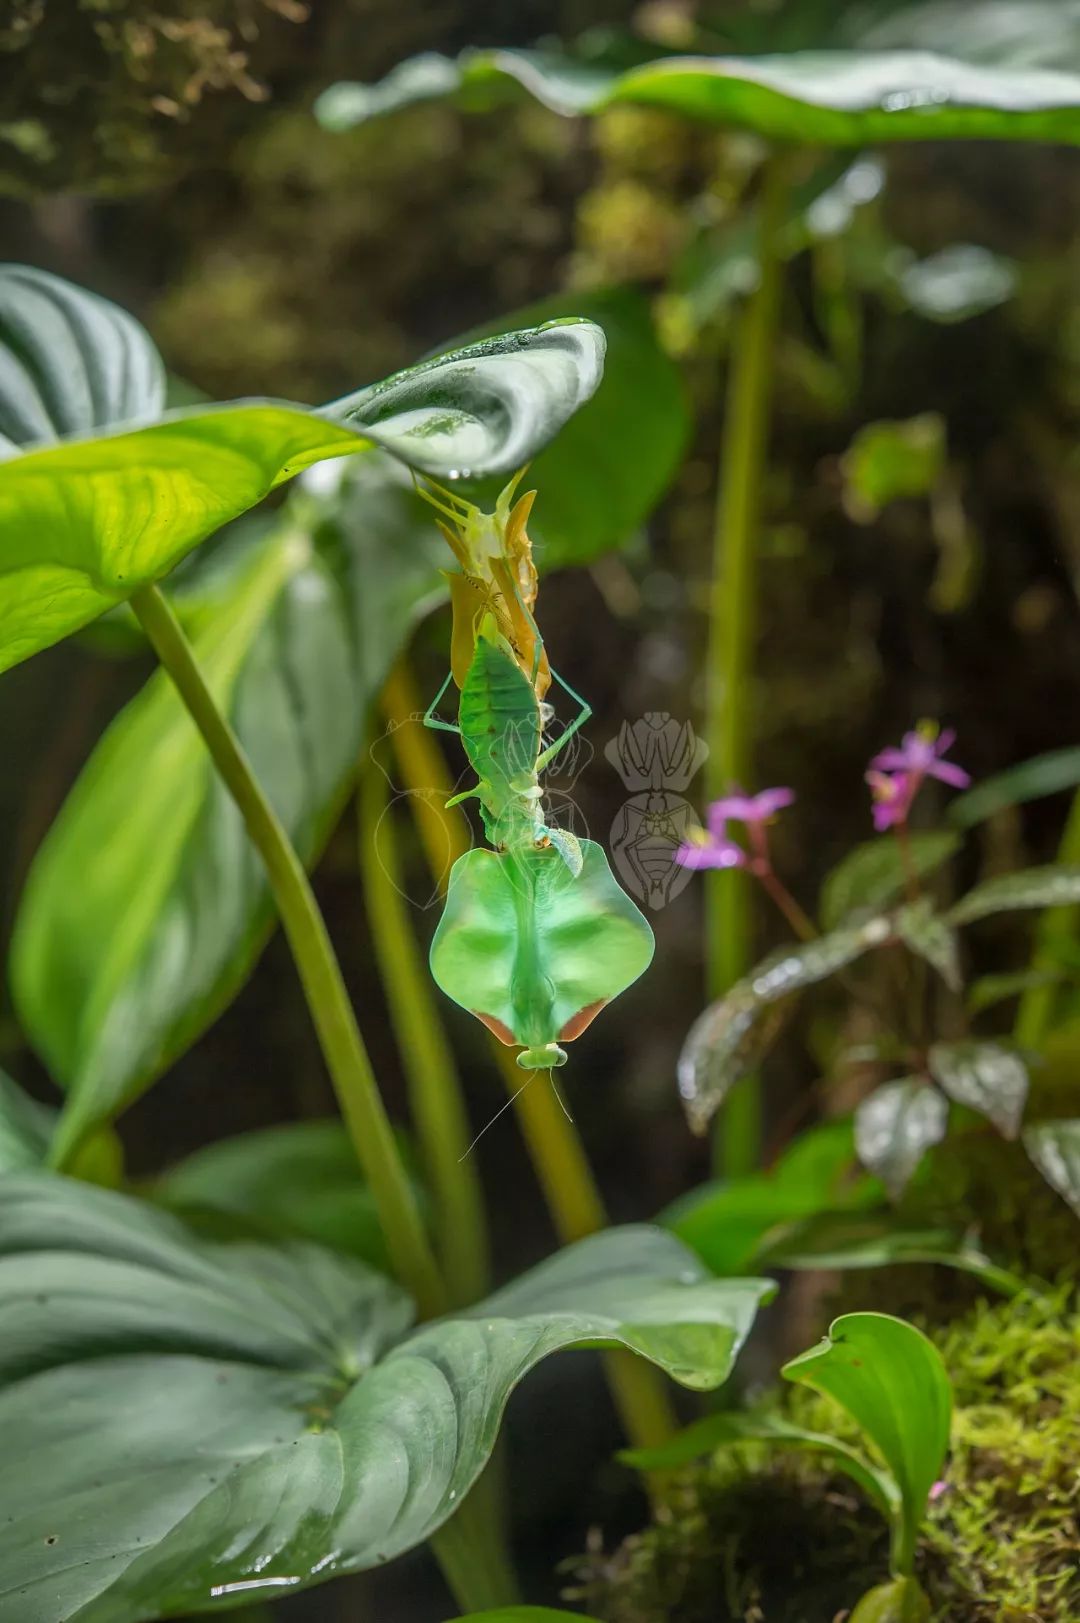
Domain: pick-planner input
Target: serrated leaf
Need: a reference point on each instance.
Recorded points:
(872, 875)
(1052, 886)
(895, 1127)
(733, 1034)
(70, 361)
(84, 523)
(892, 1382)
(1054, 1147)
(928, 934)
(859, 1239)
(824, 98)
(984, 1077)
(718, 1431)
(186, 1421)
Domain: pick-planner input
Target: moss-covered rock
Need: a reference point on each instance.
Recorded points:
(758, 1537)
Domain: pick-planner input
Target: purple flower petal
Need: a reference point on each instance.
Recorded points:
(714, 854)
(770, 801)
(890, 760)
(948, 772)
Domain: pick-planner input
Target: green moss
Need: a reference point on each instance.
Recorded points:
(770, 1538)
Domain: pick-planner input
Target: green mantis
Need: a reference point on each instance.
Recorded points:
(537, 935)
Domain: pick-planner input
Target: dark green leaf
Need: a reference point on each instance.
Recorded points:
(732, 1035)
(720, 1430)
(892, 1382)
(1052, 886)
(872, 875)
(984, 1077)
(1030, 780)
(895, 1127)
(70, 362)
(86, 522)
(857, 1239)
(901, 1600)
(725, 1222)
(524, 1614)
(186, 1421)
(26, 1126)
(928, 935)
(299, 1181)
(824, 98)
(990, 990)
(1054, 1146)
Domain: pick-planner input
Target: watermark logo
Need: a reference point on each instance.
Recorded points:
(656, 757)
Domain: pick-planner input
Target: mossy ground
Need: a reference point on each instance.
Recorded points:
(754, 1536)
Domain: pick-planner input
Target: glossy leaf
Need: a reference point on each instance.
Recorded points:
(306, 1430)
(928, 935)
(890, 1379)
(1052, 886)
(824, 98)
(733, 1034)
(300, 1181)
(730, 1426)
(859, 1239)
(872, 874)
(533, 950)
(70, 361)
(1054, 1146)
(725, 1222)
(1030, 780)
(85, 522)
(895, 1127)
(984, 1077)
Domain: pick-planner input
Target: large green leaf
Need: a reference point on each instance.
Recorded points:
(70, 362)
(825, 98)
(524, 1614)
(892, 1382)
(872, 874)
(85, 522)
(300, 1181)
(733, 1034)
(185, 1422)
(26, 1126)
(1054, 1146)
(1055, 885)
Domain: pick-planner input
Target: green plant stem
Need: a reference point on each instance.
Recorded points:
(320, 973)
(477, 1584)
(732, 635)
(554, 1145)
(1057, 928)
(435, 1096)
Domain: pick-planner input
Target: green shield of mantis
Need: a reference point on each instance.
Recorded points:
(535, 951)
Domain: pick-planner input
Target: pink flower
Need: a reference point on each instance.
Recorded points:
(895, 776)
(716, 849)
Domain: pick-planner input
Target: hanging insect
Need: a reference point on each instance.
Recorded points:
(537, 934)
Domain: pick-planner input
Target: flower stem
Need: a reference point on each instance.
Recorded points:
(732, 627)
(801, 923)
(554, 1145)
(320, 973)
(435, 1095)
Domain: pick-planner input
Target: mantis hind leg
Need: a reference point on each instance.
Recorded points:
(545, 757)
(434, 721)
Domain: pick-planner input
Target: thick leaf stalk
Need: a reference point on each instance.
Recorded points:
(732, 634)
(320, 973)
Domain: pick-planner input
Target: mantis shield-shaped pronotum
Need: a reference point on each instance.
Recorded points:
(537, 935)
